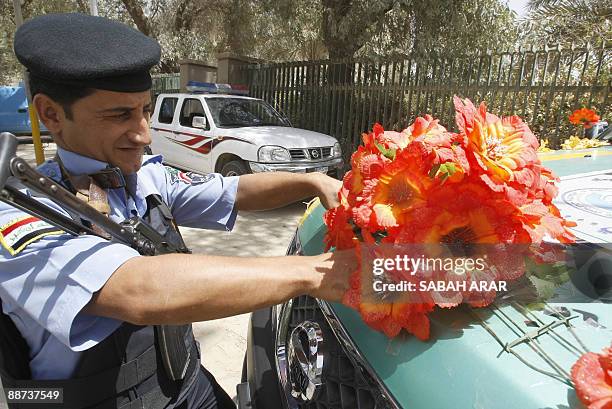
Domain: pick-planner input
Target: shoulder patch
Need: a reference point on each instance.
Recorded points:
(190, 178)
(19, 232)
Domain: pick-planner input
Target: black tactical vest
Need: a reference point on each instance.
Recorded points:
(134, 367)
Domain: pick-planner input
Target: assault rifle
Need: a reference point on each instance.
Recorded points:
(133, 232)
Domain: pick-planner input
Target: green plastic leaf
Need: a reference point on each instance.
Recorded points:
(450, 168)
(544, 288)
(388, 153)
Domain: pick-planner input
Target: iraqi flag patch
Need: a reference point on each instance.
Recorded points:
(18, 233)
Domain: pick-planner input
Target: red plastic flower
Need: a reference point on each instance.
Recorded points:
(592, 377)
(339, 232)
(584, 116)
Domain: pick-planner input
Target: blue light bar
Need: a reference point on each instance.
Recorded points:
(214, 88)
(201, 87)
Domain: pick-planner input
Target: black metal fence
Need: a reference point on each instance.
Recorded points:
(346, 98)
(165, 83)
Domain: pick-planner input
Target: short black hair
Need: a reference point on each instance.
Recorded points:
(65, 95)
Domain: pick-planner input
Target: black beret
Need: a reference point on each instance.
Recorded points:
(87, 51)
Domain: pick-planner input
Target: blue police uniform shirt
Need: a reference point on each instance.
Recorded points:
(46, 281)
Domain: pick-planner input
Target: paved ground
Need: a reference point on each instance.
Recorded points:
(255, 234)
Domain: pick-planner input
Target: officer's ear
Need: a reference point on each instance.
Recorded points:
(51, 113)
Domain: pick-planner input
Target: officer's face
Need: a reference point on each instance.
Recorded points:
(112, 127)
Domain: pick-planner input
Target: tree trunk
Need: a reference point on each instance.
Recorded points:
(346, 25)
(138, 16)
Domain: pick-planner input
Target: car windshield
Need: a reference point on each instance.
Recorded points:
(239, 112)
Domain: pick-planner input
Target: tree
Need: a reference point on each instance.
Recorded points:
(348, 24)
(286, 30)
(567, 22)
(10, 71)
(443, 28)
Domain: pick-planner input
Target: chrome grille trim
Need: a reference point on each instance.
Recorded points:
(281, 322)
(350, 383)
(353, 353)
(311, 154)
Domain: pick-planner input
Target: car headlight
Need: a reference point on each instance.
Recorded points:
(337, 150)
(273, 154)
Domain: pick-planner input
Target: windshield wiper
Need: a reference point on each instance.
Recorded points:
(269, 124)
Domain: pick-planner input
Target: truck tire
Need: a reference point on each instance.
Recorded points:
(234, 168)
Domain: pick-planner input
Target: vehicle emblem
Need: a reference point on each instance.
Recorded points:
(305, 361)
(314, 153)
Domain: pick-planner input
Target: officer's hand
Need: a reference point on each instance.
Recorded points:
(328, 189)
(333, 274)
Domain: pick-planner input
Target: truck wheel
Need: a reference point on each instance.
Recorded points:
(234, 168)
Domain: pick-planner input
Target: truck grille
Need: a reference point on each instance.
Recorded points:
(311, 153)
(344, 384)
(297, 153)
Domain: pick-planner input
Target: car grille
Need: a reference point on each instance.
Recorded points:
(297, 154)
(311, 153)
(345, 386)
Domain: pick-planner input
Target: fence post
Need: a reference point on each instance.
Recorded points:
(192, 70)
(231, 68)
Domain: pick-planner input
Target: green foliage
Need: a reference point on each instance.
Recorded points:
(546, 277)
(443, 28)
(567, 22)
(10, 72)
(289, 30)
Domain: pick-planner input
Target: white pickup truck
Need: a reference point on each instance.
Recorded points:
(234, 135)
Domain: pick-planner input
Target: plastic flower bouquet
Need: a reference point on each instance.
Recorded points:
(482, 186)
(584, 117)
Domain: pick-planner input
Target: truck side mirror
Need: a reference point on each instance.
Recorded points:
(199, 122)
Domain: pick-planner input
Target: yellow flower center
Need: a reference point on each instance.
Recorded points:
(495, 147)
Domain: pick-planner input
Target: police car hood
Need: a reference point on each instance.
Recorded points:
(280, 136)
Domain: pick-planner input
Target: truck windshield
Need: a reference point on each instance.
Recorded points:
(239, 112)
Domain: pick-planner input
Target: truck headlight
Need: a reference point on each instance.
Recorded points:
(273, 154)
(337, 150)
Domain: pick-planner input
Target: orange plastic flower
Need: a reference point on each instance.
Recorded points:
(584, 116)
(592, 377)
(400, 188)
(505, 149)
(392, 318)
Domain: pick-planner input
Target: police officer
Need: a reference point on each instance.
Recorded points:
(96, 316)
